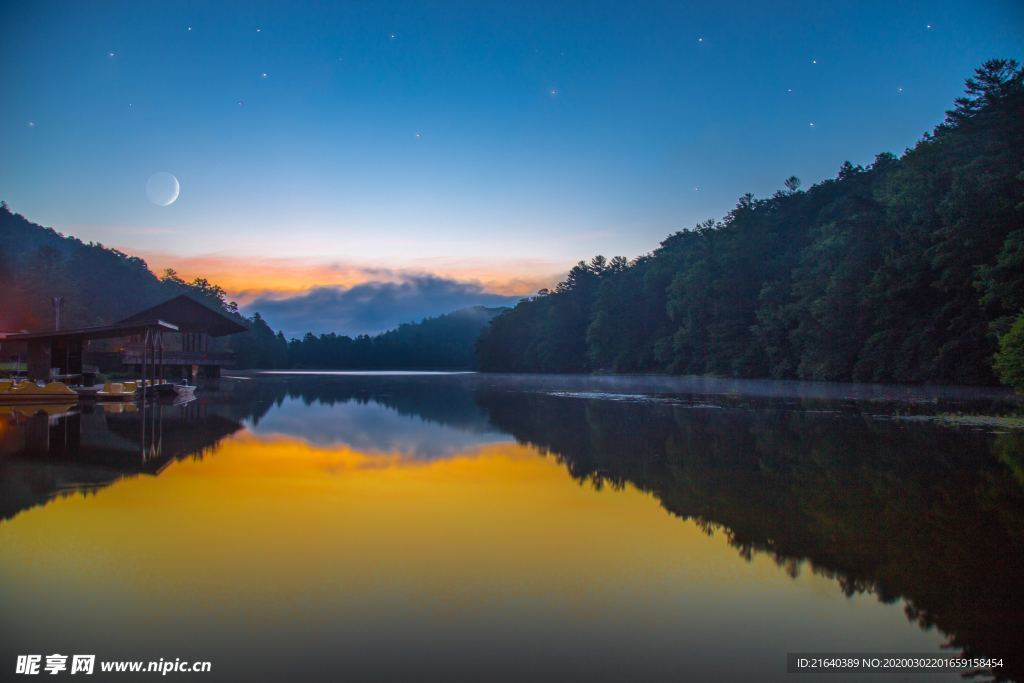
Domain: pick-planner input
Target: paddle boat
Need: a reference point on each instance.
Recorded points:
(118, 391)
(54, 392)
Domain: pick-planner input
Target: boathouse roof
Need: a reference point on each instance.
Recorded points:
(188, 315)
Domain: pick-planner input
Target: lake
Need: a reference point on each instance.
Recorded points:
(333, 526)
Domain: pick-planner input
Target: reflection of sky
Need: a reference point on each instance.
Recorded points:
(370, 428)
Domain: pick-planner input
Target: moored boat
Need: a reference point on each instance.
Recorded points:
(53, 392)
(186, 390)
(117, 391)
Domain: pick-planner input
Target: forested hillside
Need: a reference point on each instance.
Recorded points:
(99, 285)
(909, 270)
(446, 341)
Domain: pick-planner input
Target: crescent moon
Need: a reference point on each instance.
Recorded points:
(163, 188)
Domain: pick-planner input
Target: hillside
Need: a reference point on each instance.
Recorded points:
(909, 270)
(99, 285)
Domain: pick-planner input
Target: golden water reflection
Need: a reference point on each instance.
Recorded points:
(270, 544)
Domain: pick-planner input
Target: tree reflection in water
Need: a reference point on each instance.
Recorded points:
(904, 510)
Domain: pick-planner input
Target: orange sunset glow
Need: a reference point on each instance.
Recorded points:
(243, 278)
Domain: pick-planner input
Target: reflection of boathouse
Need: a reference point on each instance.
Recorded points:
(171, 339)
(47, 451)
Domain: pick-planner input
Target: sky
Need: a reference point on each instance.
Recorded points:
(320, 147)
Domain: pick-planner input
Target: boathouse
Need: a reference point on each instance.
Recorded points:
(169, 340)
(187, 350)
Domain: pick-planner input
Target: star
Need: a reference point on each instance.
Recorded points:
(418, 135)
(899, 89)
(814, 61)
(928, 26)
(392, 36)
(789, 90)
(241, 103)
(111, 55)
(700, 40)
(811, 124)
(553, 92)
(696, 189)
(259, 30)
(189, 29)
(264, 75)
(31, 124)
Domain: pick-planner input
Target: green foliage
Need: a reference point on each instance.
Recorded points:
(1002, 284)
(1009, 360)
(259, 347)
(904, 271)
(548, 332)
(443, 342)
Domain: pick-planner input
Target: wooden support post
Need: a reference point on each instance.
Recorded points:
(39, 359)
(145, 359)
(142, 422)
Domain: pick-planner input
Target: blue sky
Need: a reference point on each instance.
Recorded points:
(322, 144)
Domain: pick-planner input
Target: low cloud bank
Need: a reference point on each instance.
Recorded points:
(371, 307)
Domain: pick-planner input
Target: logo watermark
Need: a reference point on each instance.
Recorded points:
(56, 663)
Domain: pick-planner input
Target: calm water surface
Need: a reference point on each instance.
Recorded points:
(456, 527)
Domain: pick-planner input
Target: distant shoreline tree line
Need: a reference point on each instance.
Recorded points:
(909, 270)
(444, 342)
